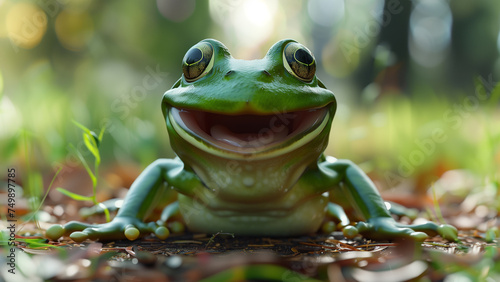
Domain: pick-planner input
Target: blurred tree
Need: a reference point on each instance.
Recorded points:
(393, 36)
(474, 49)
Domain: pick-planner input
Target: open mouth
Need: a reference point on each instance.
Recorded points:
(249, 133)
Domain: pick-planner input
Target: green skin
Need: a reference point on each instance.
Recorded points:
(275, 187)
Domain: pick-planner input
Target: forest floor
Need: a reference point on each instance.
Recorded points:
(224, 257)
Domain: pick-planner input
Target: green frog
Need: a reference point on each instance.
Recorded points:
(250, 137)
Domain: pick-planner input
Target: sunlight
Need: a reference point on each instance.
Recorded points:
(257, 13)
(253, 22)
(249, 21)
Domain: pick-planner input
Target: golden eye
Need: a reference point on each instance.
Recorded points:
(198, 61)
(299, 61)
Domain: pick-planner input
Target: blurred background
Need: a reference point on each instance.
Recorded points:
(415, 81)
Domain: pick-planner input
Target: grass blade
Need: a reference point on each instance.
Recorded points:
(74, 196)
(87, 168)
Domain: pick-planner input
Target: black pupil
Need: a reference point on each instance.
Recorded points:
(303, 56)
(194, 55)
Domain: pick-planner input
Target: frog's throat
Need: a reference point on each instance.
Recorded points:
(248, 136)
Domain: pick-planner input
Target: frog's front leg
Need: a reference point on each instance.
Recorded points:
(367, 202)
(139, 202)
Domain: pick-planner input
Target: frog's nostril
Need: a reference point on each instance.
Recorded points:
(229, 73)
(266, 72)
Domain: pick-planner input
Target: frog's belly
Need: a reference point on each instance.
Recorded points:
(303, 219)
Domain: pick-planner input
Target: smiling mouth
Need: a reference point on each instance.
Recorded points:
(248, 133)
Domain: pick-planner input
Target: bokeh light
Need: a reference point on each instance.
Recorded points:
(74, 29)
(10, 119)
(176, 10)
(26, 25)
(326, 12)
(430, 32)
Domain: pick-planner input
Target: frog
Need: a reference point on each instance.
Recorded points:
(249, 138)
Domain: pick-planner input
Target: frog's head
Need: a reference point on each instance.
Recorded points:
(244, 112)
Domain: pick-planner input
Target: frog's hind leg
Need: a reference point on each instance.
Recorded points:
(171, 211)
(376, 221)
(338, 213)
(336, 218)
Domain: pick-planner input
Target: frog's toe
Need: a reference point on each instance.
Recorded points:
(162, 232)
(177, 227)
(350, 231)
(138, 228)
(132, 233)
(77, 231)
(55, 232)
(418, 236)
(79, 236)
(448, 232)
(328, 227)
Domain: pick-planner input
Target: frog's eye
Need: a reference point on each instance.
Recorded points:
(299, 61)
(198, 61)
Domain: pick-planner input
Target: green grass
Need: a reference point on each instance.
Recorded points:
(92, 141)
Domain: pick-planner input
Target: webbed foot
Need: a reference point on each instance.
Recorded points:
(388, 228)
(119, 228)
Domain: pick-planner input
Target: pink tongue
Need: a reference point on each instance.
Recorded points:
(247, 140)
